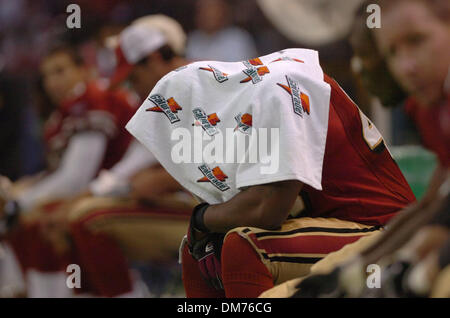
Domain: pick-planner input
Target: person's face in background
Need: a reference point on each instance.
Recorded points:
(416, 44)
(60, 75)
(211, 15)
(370, 66)
(146, 74)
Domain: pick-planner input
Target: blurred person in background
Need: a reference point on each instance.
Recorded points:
(83, 134)
(376, 80)
(370, 66)
(137, 188)
(85, 127)
(215, 38)
(415, 41)
(133, 211)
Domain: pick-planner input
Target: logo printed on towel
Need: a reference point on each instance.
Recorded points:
(254, 71)
(218, 75)
(206, 121)
(287, 58)
(244, 123)
(215, 176)
(168, 107)
(300, 101)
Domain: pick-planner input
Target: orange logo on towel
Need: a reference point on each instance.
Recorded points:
(218, 74)
(246, 119)
(169, 107)
(207, 122)
(300, 101)
(213, 119)
(217, 173)
(256, 61)
(215, 176)
(255, 69)
(263, 70)
(244, 123)
(173, 105)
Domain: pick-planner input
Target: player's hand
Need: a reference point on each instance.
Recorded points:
(206, 252)
(206, 249)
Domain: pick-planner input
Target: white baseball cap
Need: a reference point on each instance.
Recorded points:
(142, 37)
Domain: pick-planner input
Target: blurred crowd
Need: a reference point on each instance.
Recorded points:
(225, 30)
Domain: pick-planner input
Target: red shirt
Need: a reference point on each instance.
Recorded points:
(93, 109)
(433, 124)
(360, 184)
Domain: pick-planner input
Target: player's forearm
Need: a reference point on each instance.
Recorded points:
(265, 207)
(223, 217)
(135, 159)
(79, 165)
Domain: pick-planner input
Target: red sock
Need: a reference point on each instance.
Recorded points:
(194, 285)
(243, 273)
